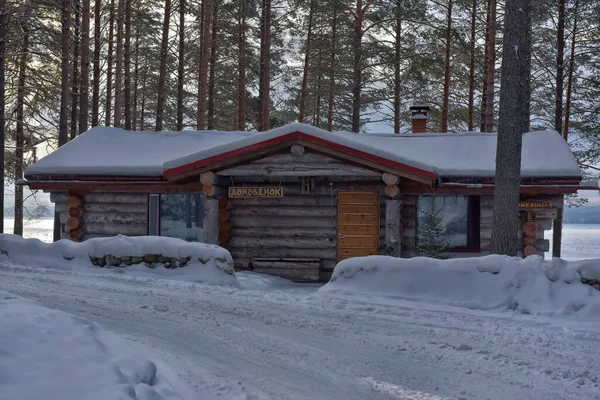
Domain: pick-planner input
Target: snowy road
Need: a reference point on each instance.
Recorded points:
(292, 343)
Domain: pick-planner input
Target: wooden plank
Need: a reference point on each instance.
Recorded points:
(115, 217)
(353, 219)
(298, 169)
(357, 252)
(248, 253)
(362, 209)
(252, 221)
(116, 207)
(308, 201)
(289, 158)
(211, 221)
(366, 229)
(393, 238)
(285, 264)
(285, 231)
(108, 197)
(358, 241)
(111, 229)
(357, 197)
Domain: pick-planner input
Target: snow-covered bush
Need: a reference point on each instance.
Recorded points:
(530, 285)
(143, 255)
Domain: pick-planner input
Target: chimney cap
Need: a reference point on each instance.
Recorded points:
(419, 111)
(423, 107)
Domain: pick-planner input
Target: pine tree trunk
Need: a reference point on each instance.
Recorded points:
(471, 105)
(64, 92)
(304, 87)
(136, 69)
(558, 114)
(3, 20)
(203, 65)
(143, 105)
(571, 71)
(261, 67)
(180, 65)
(96, 77)
(212, 66)
(241, 120)
(109, 67)
(20, 132)
(516, 67)
(357, 66)
(486, 61)
(119, 65)
(84, 86)
(332, 71)
(397, 67)
(446, 97)
(266, 72)
(491, 68)
(319, 90)
(127, 62)
(162, 79)
(75, 72)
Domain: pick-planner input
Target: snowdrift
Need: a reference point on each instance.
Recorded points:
(48, 354)
(531, 285)
(143, 256)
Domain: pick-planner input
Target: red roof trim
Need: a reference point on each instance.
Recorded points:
(304, 136)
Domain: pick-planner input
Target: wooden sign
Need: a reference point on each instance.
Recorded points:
(238, 192)
(549, 213)
(533, 204)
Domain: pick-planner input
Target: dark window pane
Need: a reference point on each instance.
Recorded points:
(181, 216)
(443, 221)
(153, 215)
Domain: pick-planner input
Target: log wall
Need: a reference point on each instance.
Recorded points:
(107, 214)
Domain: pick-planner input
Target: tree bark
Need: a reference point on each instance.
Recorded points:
(3, 20)
(64, 93)
(96, 76)
(84, 86)
(241, 120)
(317, 117)
(213, 67)
(558, 114)
(180, 65)
(357, 66)
(75, 72)
(136, 71)
(261, 67)
(109, 67)
(266, 72)
(304, 86)
(203, 64)
(20, 129)
(397, 66)
(119, 65)
(446, 97)
(127, 62)
(471, 104)
(491, 68)
(571, 71)
(143, 105)
(516, 67)
(332, 70)
(162, 79)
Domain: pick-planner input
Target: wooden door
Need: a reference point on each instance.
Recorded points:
(358, 224)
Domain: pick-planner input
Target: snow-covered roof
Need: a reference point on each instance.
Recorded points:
(113, 151)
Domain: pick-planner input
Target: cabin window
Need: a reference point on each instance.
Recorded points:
(448, 222)
(177, 215)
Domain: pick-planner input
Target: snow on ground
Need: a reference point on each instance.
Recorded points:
(291, 341)
(205, 263)
(48, 354)
(531, 285)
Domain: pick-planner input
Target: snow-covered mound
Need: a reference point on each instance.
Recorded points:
(48, 354)
(530, 285)
(145, 256)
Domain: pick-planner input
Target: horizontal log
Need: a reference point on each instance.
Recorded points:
(302, 232)
(286, 265)
(392, 190)
(115, 217)
(63, 217)
(76, 234)
(291, 200)
(116, 207)
(76, 212)
(252, 221)
(293, 274)
(207, 178)
(56, 197)
(299, 169)
(112, 229)
(289, 243)
(249, 253)
(298, 150)
(390, 179)
(285, 211)
(108, 197)
(73, 223)
(289, 158)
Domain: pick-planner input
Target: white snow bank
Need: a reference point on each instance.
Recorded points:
(204, 263)
(530, 285)
(48, 354)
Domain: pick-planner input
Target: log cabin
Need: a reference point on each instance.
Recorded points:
(295, 200)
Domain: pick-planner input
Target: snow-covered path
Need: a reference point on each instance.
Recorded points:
(292, 343)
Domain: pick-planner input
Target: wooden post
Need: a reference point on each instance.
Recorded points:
(211, 221)
(393, 236)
